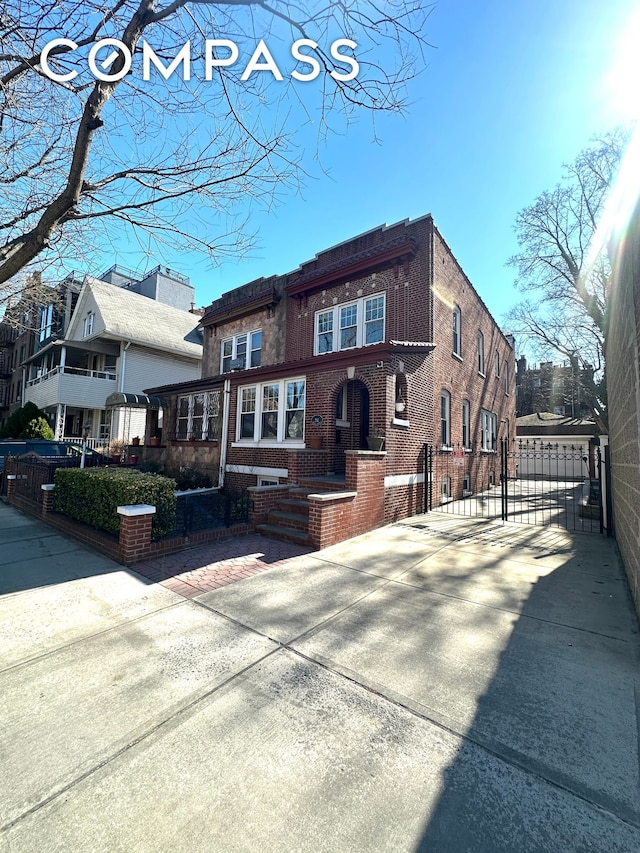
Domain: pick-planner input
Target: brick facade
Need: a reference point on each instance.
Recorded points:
(623, 387)
(387, 385)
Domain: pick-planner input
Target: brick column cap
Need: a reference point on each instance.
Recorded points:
(11, 476)
(48, 487)
(136, 509)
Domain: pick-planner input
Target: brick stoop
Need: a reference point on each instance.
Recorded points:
(290, 521)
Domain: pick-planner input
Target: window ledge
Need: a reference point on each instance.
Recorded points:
(447, 448)
(279, 445)
(488, 451)
(482, 375)
(400, 422)
(457, 355)
(343, 424)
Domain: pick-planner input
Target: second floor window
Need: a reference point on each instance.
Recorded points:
(457, 331)
(481, 353)
(241, 351)
(87, 325)
(355, 324)
(46, 322)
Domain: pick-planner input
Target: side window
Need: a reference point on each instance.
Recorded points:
(445, 418)
(481, 353)
(466, 421)
(457, 331)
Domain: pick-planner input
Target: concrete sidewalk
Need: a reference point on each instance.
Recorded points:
(436, 685)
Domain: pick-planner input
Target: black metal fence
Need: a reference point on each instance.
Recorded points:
(208, 511)
(529, 482)
(33, 472)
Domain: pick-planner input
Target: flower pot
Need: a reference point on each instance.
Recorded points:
(133, 460)
(154, 442)
(375, 442)
(135, 441)
(314, 442)
(115, 457)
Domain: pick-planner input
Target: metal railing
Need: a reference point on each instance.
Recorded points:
(208, 510)
(74, 371)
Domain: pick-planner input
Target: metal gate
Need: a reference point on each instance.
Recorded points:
(530, 482)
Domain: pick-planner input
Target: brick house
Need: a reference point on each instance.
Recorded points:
(329, 381)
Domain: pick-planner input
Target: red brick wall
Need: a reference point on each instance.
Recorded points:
(461, 377)
(405, 289)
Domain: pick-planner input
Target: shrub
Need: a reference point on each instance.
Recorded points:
(92, 495)
(190, 478)
(37, 428)
(19, 420)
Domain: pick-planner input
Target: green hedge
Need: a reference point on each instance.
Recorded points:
(92, 495)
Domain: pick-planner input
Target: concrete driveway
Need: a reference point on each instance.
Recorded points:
(437, 685)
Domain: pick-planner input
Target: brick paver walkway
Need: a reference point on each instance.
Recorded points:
(208, 567)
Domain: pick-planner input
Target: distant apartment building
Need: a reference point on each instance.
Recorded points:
(559, 389)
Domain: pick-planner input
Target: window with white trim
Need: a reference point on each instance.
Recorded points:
(280, 406)
(198, 416)
(506, 378)
(481, 353)
(46, 322)
(497, 361)
(466, 423)
(246, 349)
(354, 324)
(457, 330)
(489, 428)
(445, 418)
(87, 324)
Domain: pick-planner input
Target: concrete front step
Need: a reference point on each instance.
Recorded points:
(327, 483)
(285, 534)
(294, 505)
(288, 519)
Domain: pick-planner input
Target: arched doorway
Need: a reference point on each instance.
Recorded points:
(352, 420)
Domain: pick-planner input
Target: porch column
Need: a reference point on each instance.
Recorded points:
(63, 358)
(60, 416)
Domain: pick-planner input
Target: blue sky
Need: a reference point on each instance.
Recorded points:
(510, 91)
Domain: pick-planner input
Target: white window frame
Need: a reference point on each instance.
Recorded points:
(466, 425)
(497, 364)
(506, 378)
(480, 353)
(335, 313)
(457, 331)
(212, 400)
(280, 438)
(87, 324)
(489, 431)
(445, 419)
(46, 322)
(268, 481)
(248, 339)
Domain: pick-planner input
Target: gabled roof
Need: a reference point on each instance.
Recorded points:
(126, 316)
(548, 423)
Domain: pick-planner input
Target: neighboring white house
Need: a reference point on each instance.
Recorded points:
(117, 342)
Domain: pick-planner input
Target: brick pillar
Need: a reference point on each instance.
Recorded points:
(135, 532)
(47, 497)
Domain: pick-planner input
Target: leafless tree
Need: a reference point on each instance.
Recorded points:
(149, 154)
(566, 312)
